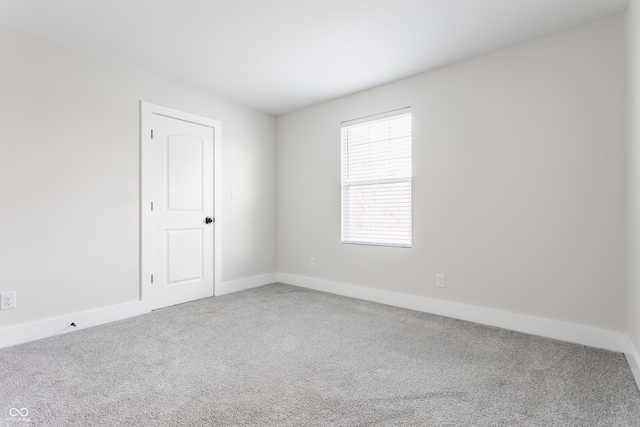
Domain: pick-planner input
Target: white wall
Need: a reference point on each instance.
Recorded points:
(518, 182)
(69, 178)
(633, 185)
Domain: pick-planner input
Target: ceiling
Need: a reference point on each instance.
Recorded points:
(281, 55)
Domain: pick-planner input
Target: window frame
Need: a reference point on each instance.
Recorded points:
(405, 237)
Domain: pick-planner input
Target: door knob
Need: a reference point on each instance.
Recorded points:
(208, 220)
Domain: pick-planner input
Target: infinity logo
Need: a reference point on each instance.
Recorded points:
(14, 412)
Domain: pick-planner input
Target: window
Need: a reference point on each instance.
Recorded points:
(376, 179)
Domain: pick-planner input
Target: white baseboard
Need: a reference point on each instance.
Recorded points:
(633, 358)
(594, 337)
(570, 332)
(26, 332)
(247, 283)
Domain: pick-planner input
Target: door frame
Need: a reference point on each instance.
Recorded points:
(147, 110)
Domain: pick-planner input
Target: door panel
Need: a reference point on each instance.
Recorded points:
(184, 256)
(184, 172)
(182, 197)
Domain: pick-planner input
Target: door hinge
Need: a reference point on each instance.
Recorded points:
(152, 279)
(151, 205)
(151, 133)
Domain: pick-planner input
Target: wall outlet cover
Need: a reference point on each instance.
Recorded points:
(7, 300)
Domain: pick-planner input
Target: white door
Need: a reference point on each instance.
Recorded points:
(182, 211)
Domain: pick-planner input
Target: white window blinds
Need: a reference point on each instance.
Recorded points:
(376, 179)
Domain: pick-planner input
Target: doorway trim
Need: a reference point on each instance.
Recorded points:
(147, 110)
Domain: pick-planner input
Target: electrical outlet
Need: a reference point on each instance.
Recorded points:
(7, 300)
(440, 280)
(312, 262)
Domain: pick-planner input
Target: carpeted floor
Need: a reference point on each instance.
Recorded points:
(286, 356)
